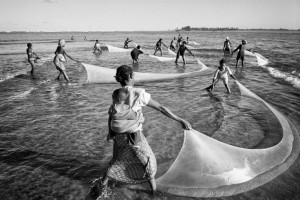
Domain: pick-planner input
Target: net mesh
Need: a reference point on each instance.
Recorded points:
(206, 167)
(96, 74)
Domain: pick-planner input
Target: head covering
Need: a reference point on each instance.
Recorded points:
(61, 42)
(227, 38)
(244, 41)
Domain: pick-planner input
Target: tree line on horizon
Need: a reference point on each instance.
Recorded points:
(189, 28)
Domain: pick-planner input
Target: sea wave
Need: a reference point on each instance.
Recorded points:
(293, 78)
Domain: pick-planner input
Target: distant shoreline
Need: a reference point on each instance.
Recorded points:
(178, 30)
(189, 28)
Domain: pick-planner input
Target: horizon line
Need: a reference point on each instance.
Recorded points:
(173, 30)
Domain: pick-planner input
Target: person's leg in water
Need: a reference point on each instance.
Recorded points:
(183, 59)
(65, 75)
(242, 59)
(152, 184)
(225, 81)
(227, 87)
(155, 50)
(58, 77)
(237, 59)
(32, 67)
(177, 56)
(236, 64)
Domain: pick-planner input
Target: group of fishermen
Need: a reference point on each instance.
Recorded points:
(178, 44)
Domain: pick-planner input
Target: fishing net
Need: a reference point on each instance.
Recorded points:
(117, 49)
(206, 167)
(96, 74)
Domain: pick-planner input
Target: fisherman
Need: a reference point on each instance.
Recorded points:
(126, 43)
(221, 73)
(135, 54)
(172, 44)
(181, 52)
(97, 47)
(227, 46)
(241, 53)
(158, 46)
(32, 57)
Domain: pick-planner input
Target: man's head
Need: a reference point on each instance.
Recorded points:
(222, 62)
(59, 50)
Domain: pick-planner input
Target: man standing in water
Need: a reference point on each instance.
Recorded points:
(126, 43)
(135, 54)
(221, 73)
(32, 57)
(181, 52)
(172, 45)
(58, 62)
(60, 57)
(241, 53)
(227, 46)
(97, 47)
(158, 46)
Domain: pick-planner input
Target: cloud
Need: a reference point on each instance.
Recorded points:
(50, 1)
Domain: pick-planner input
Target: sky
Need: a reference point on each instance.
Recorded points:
(146, 15)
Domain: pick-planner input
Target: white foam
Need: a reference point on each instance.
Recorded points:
(276, 73)
(290, 78)
(294, 81)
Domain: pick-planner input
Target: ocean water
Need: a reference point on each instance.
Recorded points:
(52, 133)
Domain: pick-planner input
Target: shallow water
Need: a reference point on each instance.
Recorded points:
(52, 134)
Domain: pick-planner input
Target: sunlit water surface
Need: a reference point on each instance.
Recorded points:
(52, 134)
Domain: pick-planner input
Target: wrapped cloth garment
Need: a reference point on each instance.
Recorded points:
(133, 163)
(130, 164)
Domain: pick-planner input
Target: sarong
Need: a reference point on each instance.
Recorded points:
(131, 164)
